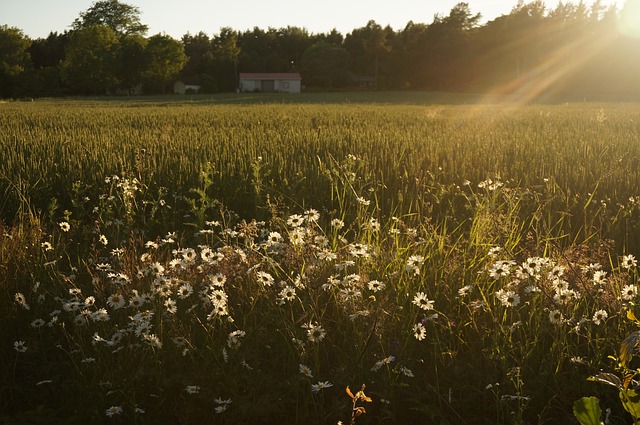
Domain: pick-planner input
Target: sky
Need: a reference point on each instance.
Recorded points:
(37, 18)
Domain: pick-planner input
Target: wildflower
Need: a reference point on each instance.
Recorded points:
(494, 250)
(218, 297)
(337, 224)
(375, 285)
(599, 277)
(312, 215)
(556, 273)
(560, 285)
(22, 301)
(327, 255)
(599, 316)
(362, 201)
(295, 220)
(508, 298)
(288, 293)
(315, 333)
(101, 315)
(532, 266)
(64, 226)
(156, 268)
(103, 240)
(153, 340)
(223, 405)
(37, 323)
(297, 236)
(422, 301)
(555, 317)
(500, 269)
(116, 301)
(265, 278)
(419, 331)
(192, 389)
(320, 386)
(305, 370)
(465, 290)
(415, 260)
(359, 250)
(628, 262)
(407, 372)
(380, 363)
(218, 279)
(46, 246)
(19, 346)
(184, 291)
(103, 267)
(113, 410)
(234, 339)
(629, 292)
(171, 306)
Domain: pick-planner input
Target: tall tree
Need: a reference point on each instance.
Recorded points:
(226, 53)
(448, 48)
(325, 65)
(122, 18)
(199, 54)
(133, 60)
(91, 64)
(369, 49)
(165, 60)
(14, 57)
(48, 52)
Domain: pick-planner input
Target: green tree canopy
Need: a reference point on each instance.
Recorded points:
(91, 64)
(165, 60)
(133, 60)
(122, 18)
(325, 65)
(14, 57)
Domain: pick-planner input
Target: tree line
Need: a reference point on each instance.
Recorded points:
(573, 49)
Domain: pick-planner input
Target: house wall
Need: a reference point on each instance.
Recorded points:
(181, 88)
(285, 86)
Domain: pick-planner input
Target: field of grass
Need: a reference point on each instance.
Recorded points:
(246, 259)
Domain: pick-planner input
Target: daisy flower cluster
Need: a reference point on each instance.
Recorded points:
(305, 300)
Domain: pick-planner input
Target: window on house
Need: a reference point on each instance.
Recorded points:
(285, 84)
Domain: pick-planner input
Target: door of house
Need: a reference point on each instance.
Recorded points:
(267, 85)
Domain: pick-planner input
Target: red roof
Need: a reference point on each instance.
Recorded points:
(270, 76)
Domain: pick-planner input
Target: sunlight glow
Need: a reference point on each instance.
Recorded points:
(629, 23)
(542, 79)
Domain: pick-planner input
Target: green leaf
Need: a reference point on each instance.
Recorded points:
(628, 347)
(631, 402)
(606, 378)
(587, 411)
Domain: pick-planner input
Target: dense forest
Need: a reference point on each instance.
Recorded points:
(573, 50)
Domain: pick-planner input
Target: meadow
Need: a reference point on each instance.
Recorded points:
(262, 259)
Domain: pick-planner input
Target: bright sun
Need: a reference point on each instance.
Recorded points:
(629, 23)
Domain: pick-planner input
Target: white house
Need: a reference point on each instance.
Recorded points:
(270, 82)
(180, 87)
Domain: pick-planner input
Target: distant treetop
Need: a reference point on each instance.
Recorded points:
(122, 18)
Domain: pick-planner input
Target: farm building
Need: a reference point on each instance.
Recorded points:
(186, 87)
(265, 82)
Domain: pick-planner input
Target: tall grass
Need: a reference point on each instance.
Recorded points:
(469, 264)
(581, 149)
